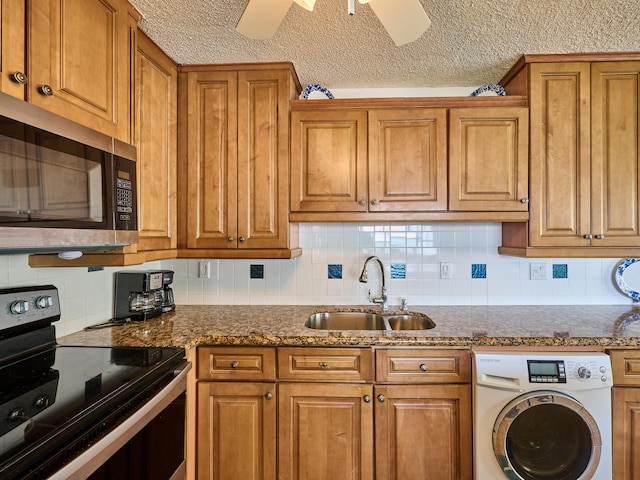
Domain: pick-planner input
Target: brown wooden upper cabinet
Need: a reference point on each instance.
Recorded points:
(391, 163)
(72, 58)
(156, 102)
(584, 158)
(235, 128)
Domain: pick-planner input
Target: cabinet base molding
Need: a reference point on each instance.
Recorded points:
(570, 252)
(236, 254)
(440, 216)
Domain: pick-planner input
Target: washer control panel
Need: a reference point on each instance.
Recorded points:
(547, 371)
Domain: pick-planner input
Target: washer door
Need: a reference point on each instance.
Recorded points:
(546, 435)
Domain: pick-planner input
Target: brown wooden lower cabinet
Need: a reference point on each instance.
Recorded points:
(404, 416)
(626, 433)
(236, 431)
(325, 432)
(423, 431)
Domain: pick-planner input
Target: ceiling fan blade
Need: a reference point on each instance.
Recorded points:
(404, 20)
(262, 18)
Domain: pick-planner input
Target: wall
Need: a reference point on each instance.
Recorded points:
(480, 275)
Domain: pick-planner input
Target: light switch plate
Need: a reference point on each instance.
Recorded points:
(204, 269)
(446, 270)
(538, 271)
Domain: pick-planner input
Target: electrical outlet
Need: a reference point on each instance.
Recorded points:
(446, 270)
(204, 269)
(538, 271)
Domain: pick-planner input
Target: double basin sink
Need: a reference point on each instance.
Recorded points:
(349, 320)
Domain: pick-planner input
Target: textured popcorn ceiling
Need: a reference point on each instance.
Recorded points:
(469, 43)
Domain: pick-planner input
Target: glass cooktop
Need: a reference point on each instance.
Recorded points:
(54, 397)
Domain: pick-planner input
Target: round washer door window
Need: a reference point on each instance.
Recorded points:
(546, 435)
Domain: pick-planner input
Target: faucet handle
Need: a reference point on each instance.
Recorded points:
(404, 305)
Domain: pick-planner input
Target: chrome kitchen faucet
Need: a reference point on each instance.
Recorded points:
(382, 299)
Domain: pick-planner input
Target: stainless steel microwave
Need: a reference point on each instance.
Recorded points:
(62, 186)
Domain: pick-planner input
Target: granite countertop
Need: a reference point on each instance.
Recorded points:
(456, 326)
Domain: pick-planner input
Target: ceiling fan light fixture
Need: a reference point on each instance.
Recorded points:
(308, 4)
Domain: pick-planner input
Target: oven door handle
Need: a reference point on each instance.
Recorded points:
(94, 457)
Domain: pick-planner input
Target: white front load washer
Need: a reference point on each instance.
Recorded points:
(541, 415)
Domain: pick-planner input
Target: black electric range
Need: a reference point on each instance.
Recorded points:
(56, 401)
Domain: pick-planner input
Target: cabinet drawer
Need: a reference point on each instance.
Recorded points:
(325, 364)
(625, 366)
(423, 366)
(236, 363)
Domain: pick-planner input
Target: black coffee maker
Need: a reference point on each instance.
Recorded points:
(140, 295)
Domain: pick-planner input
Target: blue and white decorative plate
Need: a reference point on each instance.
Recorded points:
(315, 90)
(629, 290)
(490, 89)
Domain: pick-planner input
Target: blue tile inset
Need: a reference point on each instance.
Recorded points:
(478, 270)
(256, 271)
(398, 270)
(335, 271)
(560, 270)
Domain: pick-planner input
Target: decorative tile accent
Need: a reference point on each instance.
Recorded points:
(398, 270)
(256, 271)
(478, 270)
(335, 271)
(560, 270)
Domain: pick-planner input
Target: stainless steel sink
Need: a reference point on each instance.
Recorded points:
(410, 322)
(341, 320)
(346, 321)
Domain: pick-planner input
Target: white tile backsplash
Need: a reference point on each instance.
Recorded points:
(86, 297)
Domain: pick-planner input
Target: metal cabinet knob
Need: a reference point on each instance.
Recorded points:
(600, 237)
(324, 365)
(241, 239)
(19, 77)
(234, 364)
(45, 90)
(381, 398)
(424, 368)
(588, 236)
(524, 200)
(366, 399)
(374, 202)
(268, 396)
(230, 239)
(361, 202)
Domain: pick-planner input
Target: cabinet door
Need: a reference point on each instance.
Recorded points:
(329, 161)
(12, 45)
(423, 432)
(626, 433)
(407, 160)
(211, 160)
(263, 159)
(80, 50)
(236, 431)
(156, 136)
(615, 153)
(488, 159)
(560, 154)
(325, 432)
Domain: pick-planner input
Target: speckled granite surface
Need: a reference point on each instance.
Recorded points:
(464, 326)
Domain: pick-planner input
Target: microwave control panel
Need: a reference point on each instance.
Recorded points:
(125, 194)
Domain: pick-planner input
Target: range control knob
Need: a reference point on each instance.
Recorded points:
(19, 307)
(584, 372)
(45, 301)
(42, 401)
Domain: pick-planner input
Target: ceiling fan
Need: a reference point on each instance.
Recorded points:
(404, 20)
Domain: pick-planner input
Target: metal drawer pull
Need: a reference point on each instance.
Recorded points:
(324, 365)
(234, 364)
(45, 90)
(18, 77)
(366, 399)
(381, 398)
(424, 368)
(268, 396)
